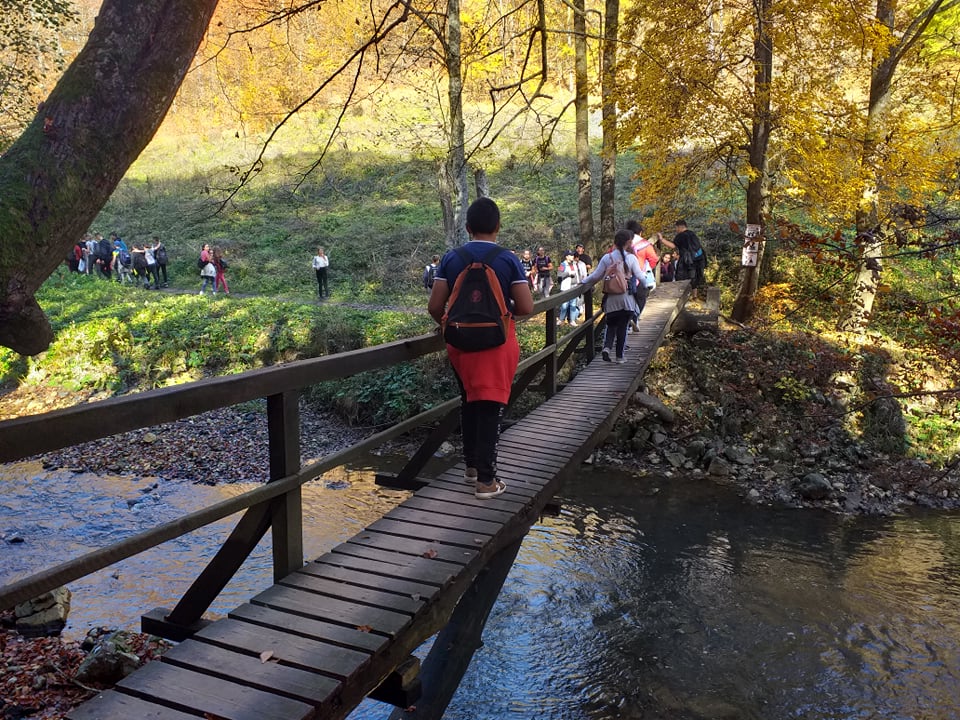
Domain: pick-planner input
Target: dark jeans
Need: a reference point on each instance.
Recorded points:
(163, 271)
(617, 322)
(322, 282)
(480, 428)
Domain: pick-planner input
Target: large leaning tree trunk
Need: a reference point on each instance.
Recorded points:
(58, 175)
(758, 187)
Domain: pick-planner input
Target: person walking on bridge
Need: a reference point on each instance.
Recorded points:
(618, 308)
(485, 376)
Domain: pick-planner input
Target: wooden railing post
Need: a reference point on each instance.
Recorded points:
(550, 366)
(592, 329)
(283, 425)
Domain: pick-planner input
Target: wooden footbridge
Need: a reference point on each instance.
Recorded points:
(344, 626)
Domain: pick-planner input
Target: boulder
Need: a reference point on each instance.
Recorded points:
(109, 662)
(814, 486)
(718, 467)
(45, 615)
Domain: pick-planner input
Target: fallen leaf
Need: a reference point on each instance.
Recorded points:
(416, 596)
(431, 553)
(478, 541)
(412, 708)
(364, 628)
(266, 655)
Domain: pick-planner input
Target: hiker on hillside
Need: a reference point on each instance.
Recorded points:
(430, 272)
(544, 266)
(571, 273)
(485, 376)
(104, 257)
(220, 265)
(691, 258)
(207, 271)
(160, 254)
(529, 269)
(320, 264)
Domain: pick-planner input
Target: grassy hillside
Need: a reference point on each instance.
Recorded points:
(377, 215)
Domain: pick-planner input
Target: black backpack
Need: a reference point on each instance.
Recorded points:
(429, 274)
(161, 255)
(477, 315)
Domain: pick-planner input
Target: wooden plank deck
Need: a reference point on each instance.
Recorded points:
(323, 638)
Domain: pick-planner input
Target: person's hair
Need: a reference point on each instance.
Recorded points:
(217, 252)
(680, 222)
(320, 250)
(436, 258)
(581, 245)
(483, 216)
(622, 238)
(634, 227)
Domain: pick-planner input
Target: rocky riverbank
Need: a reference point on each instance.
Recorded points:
(737, 409)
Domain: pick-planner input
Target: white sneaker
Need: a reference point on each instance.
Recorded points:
(621, 361)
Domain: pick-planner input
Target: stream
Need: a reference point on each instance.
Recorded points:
(645, 598)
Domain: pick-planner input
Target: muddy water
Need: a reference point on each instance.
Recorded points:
(643, 599)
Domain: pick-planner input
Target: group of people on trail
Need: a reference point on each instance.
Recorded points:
(497, 285)
(213, 267)
(140, 263)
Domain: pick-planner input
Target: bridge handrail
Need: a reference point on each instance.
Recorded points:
(21, 437)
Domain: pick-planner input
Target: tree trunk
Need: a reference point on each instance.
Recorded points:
(582, 127)
(455, 202)
(869, 232)
(608, 155)
(869, 237)
(758, 186)
(481, 183)
(58, 175)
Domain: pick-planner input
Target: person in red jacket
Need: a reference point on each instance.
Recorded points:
(485, 376)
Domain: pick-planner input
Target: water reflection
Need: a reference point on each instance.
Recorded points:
(61, 516)
(643, 599)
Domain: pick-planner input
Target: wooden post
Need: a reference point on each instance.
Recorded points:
(592, 330)
(550, 367)
(452, 651)
(283, 424)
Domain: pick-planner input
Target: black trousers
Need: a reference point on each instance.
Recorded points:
(322, 287)
(480, 429)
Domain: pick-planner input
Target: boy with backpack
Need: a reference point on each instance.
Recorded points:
(430, 273)
(478, 289)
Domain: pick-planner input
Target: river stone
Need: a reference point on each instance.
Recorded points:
(109, 662)
(675, 459)
(446, 449)
(149, 438)
(695, 449)
(718, 467)
(814, 486)
(738, 455)
(673, 390)
(45, 615)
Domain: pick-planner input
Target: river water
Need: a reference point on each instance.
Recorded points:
(645, 598)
